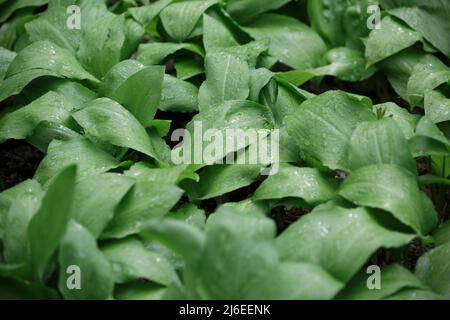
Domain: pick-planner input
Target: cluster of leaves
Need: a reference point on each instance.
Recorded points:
(101, 101)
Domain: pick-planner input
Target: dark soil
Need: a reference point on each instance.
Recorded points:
(18, 162)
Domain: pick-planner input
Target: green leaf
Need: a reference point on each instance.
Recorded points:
(415, 294)
(245, 10)
(394, 279)
(188, 68)
(191, 214)
(73, 93)
(100, 116)
(171, 175)
(216, 35)
(442, 235)
(179, 19)
(143, 102)
(39, 59)
(178, 95)
(346, 64)
(48, 225)
(378, 142)
(427, 74)
(437, 106)
(220, 179)
(130, 261)
(245, 246)
(21, 211)
(393, 189)
(85, 155)
(406, 121)
(145, 14)
(48, 56)
(139, 290)
(101, 46)
(155, 52)
(433, 269)
(294, 182)
(10, 8)
(145, 201)
(7, 197)
(391, 38)
(52, 24)
(287, 38)
(227, 78)
(182, 238)
(6, 57)
(430, 19)
(97, 196)
(79, 248)
(21, 123)
(399, 68)
(117, 75)
(429, 140)
(338, 115)
(45, 132)
(337, 239)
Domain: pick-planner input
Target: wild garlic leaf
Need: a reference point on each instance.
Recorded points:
(245, 10)
(406, 121)
(378, 142)
(48, 225)
(39, 59)
(433, 269)
(394, 278)
(97, 196)
(178, 95)
(145, 14)
(130, 261)
(393, 189)
(426, 75)
(180, 18)
(79, 248)
(101, 47)
(344, 63)
(191, 214)
(187, 68)
(155, 52)
(141, 93)
(220, 179)
(287, 36)
(73, 93)
(21, 123)
(6, 57)
(338, 115)
(295, 182)
(172, 175)
(227, 78)
(10, 8)
(429, 19)
(52, 24)
(88, 158)
(145, 201)
(393, 36)
(117, 75)
(107, 120)
(48, 56)
(442, 234)
(429, 140)
(437, 106)
(337, 239)
(19, 215)
(9, 196)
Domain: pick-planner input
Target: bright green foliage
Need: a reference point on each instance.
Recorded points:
(124, 198)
